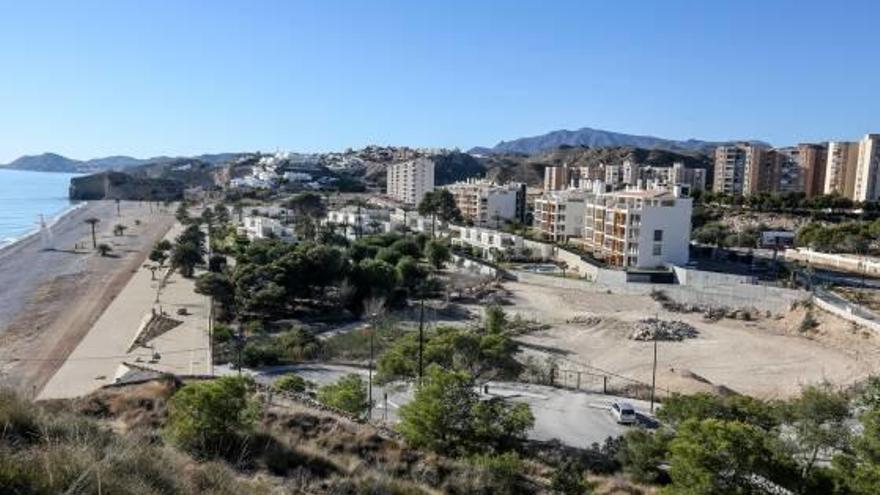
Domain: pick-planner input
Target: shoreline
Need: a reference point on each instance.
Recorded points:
(49, 306)
(53, 220)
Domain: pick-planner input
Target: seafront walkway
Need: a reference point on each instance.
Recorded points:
(178, 342)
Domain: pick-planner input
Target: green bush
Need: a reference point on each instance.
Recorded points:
(501, 473)
(348, 394)
(292, 383)
(299, 344)
(208, 419)
(223, 333)
(256, 355)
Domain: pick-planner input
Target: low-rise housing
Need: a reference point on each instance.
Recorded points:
(488, 243)
(260, 227)
(356, 221)
(486, 203)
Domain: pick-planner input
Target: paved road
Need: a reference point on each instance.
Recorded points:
(576, 418)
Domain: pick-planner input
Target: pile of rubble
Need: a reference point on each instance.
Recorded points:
(653, 328)
(585, 320)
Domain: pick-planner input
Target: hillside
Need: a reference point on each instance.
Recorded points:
(593, 138)
(53, 162)
(530, 168)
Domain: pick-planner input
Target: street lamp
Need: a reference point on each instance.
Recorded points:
(371, 328)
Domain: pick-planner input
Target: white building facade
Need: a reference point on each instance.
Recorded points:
(485, 203)
(559, 215)
(638, 228)
(407, 182)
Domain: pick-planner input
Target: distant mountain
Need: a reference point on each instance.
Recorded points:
(519, 167)
(593, 138)
(47, 162)
(52, 162)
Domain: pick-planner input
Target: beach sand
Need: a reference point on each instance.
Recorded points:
(49, 299)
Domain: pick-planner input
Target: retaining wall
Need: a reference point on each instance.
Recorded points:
(846, 314)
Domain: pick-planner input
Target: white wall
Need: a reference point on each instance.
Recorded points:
(675, 222)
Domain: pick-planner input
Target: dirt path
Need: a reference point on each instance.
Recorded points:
(55, 304)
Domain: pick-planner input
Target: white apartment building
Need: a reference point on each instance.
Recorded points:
(559, 215)
(867, 181)
(638, 228)
(490, 244)
(356, 221)
(409, 181)
(260, 227)
(485, 203)
(840, 169)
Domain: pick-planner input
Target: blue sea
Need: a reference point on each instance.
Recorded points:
(24, 196)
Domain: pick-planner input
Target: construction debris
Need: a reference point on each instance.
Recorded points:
(656, 329)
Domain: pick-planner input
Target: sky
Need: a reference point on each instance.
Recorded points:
(143, 78)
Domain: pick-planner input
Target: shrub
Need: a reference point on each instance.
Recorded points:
(223, 333)
(256, 355)
(300, 345)
(348, 394)
(208, 419)
(501, 472)
(292, 383)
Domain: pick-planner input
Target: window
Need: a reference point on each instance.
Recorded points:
(658, 235)
(658, 250)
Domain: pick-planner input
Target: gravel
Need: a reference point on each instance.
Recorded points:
(653, 328)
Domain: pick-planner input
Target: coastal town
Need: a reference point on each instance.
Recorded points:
(439, 248)
(616, 284)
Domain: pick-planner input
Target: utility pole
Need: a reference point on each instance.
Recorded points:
(370, 386)
(654, 374)
(421, 337)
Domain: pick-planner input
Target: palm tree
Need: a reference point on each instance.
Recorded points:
(92, 222)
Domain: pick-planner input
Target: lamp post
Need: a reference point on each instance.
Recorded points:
(371, 327)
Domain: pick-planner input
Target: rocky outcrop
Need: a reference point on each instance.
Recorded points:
(118, 185)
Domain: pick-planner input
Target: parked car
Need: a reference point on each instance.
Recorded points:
(624, 413)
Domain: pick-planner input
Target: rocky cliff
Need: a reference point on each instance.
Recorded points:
(118, 185)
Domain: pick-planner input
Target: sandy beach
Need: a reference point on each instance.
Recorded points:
(49, 299)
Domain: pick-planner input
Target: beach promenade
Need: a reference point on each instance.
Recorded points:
(121, 334)
(50, 298)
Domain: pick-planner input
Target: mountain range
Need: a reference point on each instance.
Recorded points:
(594, 138)
(53, 162)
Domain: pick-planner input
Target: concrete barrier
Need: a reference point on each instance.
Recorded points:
(846, 313)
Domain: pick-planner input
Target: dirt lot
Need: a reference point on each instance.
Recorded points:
(768, 358)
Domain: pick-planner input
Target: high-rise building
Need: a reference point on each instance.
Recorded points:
(409, 181)
(867, 183)
(840, 168)
(488, 204)
(730, 167)
(558, 177)
(761, 170)
(814, 159)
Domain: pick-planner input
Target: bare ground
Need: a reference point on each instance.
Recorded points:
(767, 358)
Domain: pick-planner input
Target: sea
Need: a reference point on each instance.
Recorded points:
(25, 195)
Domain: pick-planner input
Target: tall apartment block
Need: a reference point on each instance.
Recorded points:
(840, 168)
(638, 228)
(745, 169)
(730, 169)
(409, 181)
(814, 159)
(867, 182)
(487, 204)
(557, 178)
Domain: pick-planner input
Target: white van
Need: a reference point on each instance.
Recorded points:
(624, 413)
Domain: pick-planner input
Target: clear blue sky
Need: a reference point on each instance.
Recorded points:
(91, 78)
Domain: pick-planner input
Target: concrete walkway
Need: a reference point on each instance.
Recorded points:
(99, 357)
